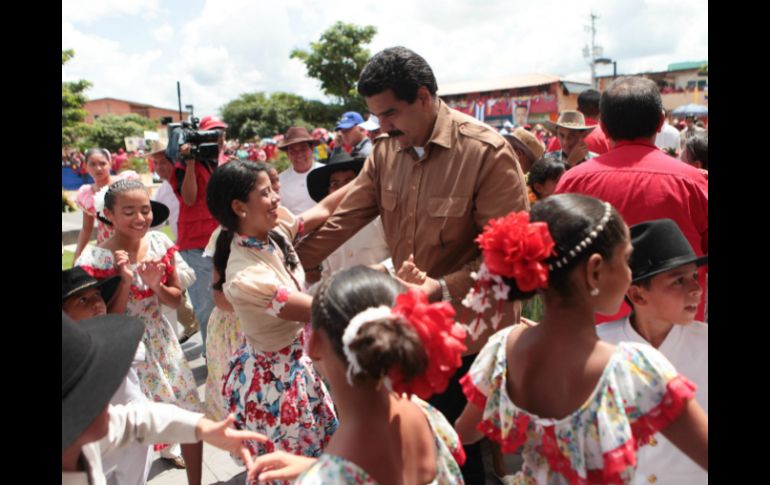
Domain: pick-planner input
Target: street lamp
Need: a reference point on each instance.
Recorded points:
(189, 108)
(606, 60)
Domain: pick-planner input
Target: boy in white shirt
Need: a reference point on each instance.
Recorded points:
(664, 295)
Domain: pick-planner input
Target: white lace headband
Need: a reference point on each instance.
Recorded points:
(586, 242)
(371, 314)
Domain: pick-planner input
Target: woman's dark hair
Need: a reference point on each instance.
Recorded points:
(638, 96)
(379, 345)
(234, 181)
(698, 149)
(546, 168)
(570, 218)
(399, 69)
(117, 188)
(103, 151)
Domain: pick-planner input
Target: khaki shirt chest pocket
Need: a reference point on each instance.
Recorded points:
(448, 217)
(389, 199)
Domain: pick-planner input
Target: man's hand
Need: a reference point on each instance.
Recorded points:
(578, 154)
(185, 149)
(410, 273)
(430, 286)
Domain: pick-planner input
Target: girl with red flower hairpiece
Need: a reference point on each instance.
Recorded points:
(379, 351)
(578, 407)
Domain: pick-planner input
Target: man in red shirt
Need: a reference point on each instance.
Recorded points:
(196, 224)
(596, 141)
(636, 177)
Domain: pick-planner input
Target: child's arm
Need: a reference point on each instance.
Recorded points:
(297, 308)
(690, 433)
(279, 465)
(317, 215)
(466, 424)
(119, 301)
(169, 293)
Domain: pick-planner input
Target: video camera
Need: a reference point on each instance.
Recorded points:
(204, 144)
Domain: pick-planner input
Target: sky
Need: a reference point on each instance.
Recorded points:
(219, 49)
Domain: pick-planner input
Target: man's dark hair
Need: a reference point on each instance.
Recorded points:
(398, 69)
(631, 107)
(588, 103)
(698, 149)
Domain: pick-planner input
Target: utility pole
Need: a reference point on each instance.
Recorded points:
(593, 51)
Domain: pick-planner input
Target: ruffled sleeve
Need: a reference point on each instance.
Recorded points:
(211, 246)
(451, 454)
(485, 386)
(485, 372)
(85, 199)
(96, 261)
(653, 392)
(164, 246)
(257, 286)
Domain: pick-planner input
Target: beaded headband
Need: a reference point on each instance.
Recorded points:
(586, 242)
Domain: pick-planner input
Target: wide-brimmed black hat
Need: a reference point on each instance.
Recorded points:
(318, 178)
(76, 279)
(660, 246)
(160, 213)
(95, 357)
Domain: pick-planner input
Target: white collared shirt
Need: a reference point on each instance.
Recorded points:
(686, 347)
(294, 194)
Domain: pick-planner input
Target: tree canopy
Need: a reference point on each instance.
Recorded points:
(337, 60)
(72, 100)
(110, 130)
(259, 115)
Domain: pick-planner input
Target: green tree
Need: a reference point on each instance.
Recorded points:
(337, 60)
(72, 100)
(109, 131)
(259, 115)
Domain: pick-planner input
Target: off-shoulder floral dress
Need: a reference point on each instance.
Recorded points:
(164, 375)
(334, 470)
(638, 394)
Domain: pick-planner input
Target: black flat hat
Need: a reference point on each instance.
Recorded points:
(659, 246)
(318, 178)
(76, 279)
(160, 213)
(95, 357)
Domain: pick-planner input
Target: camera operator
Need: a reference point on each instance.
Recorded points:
(196, 224)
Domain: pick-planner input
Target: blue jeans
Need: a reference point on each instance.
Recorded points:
(200, 292)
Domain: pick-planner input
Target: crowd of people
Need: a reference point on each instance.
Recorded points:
(361, 311)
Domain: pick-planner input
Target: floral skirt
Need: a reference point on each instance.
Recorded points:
(280, 395)
(165, 374)
(223, 340)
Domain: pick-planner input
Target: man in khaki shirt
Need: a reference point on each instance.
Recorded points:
(435, 181)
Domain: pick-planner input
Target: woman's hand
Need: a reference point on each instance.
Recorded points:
(123, 265)
(279, 465)
(152, 272)
(222, 435)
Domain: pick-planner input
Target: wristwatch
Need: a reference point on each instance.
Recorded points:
(445, 296)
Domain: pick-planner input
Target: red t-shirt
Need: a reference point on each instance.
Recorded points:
(596, 141)
(195, 223)
(643, 184)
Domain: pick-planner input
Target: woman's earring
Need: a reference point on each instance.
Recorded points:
(243, 214)
(594, 292)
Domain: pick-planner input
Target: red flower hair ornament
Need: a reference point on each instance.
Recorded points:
(442, 339)
(513, 248)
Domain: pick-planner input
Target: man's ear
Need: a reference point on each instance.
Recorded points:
(637, 295)
(424, 96)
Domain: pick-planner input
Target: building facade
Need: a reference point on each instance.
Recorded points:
(97, 108)
(524, 99)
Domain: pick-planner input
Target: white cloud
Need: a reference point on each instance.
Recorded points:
(92, 10)
(230, 47)
(164, 33)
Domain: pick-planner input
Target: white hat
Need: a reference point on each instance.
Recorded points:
(371, 124)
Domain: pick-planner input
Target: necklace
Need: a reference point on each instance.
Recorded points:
(253, 242)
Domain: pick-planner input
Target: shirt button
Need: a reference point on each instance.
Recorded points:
(652, 479)
(414, 187)
(653, 442)
(350, 254)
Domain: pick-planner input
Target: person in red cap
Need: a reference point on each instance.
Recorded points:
(196, 224)
(213, 123)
